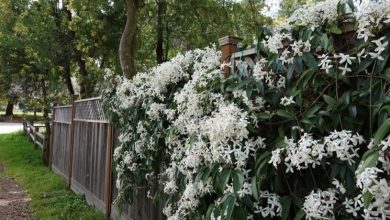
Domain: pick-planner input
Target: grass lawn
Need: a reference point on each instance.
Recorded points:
(50, 198)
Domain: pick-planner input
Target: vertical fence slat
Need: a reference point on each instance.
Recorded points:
(70, 147)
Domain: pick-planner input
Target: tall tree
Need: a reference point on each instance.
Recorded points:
(127, 44)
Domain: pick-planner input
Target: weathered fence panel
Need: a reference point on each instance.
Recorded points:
(60, 139)
(82, 142)
(89, 151)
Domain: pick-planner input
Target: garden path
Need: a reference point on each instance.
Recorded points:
(14, 202)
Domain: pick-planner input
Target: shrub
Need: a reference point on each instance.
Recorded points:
(304, 134)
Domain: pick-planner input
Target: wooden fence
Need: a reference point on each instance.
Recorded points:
(82, 146)
(35, 133)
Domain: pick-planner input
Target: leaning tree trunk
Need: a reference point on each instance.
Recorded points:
(46, 146)
(10, 109)
(160, 31)
(127, 44)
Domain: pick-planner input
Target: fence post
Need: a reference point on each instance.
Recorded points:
(71, 142)
(51, 136)
(228, 46)
(36, 131)
(108, 180)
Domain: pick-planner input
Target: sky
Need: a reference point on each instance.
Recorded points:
(272, 8)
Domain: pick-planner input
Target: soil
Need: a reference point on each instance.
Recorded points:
(14, 202)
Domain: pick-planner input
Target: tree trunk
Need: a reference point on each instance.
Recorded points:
(86, 87)
(127, 44)
(64, 38)
(10, 109)
(160, 31)
(67, 75)
(46, 147)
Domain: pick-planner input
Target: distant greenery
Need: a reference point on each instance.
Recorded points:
(50, 198)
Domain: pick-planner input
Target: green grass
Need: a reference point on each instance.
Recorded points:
(50, 198)
(21, 114)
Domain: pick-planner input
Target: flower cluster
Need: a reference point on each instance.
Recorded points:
(369, 182)
(320, 204)
(309, 152)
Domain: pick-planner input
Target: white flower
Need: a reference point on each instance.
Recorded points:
(380, 47)
(281, 83)
(343, 144)
(299, 47)
(361, 54)
(385, 144)
(155, 110)
(339, 186)
(276, 157)
(320, 204)
(304, 153)
(272, 206)
(345, 69)
(367, 178)
(345, 58)
(353, 206)
(325, 63)
(286, 101)
(275, 42)
(379, 206)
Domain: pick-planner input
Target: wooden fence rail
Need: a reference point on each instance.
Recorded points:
(81, 146)
(33, 130)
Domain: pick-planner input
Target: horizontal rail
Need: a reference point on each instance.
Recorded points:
(63, 106)
(92, 121)
(63, 122)
(244, 53)
(90, 99)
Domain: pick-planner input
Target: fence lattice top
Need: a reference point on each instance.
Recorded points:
(63, 114)
(90, 110)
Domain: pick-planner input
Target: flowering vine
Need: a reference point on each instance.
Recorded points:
(304, 134)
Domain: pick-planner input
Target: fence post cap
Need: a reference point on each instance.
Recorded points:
(229, 40)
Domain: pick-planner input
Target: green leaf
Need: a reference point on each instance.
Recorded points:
(351, 5)
(223, 179)
(382, 131)
(260, 87)
(255, 192)
(310, 61)
(210, 211)
(370, 159)
(367, 198)
(239, 212)
(335, 170)
(300, 215)
(332, 27)
(228, 206)
(285, 113)
(352, 110)
(290, 71)
(364, 64)
(286, 204)
(238, 180)
(325, 41)
(264, 115)
(298, 64)
(330, 101)
(310, 113)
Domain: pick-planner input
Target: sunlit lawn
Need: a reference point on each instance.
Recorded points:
(50, 198)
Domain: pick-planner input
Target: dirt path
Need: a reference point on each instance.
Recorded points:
(14, 202)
